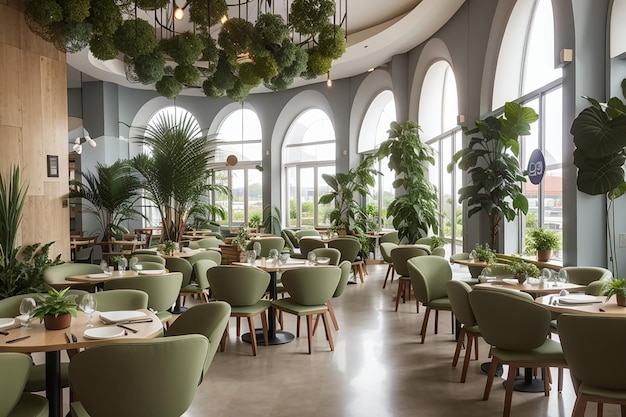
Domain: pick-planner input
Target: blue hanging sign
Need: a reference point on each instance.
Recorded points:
(536, 167)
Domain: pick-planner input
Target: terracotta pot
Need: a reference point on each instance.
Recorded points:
(544, 255)
(521, 278)
(621, 300)
(51, 322)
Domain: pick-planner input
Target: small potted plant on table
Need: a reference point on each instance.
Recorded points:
(543, 241)
(523, 270)
(56, 308)
(617, 287)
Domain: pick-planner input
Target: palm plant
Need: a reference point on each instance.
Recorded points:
(175, 174)
(111, 193)
(12, 195)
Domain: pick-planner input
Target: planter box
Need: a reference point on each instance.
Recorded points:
(231, 254)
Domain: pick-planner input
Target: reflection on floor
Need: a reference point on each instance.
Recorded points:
(378, 368)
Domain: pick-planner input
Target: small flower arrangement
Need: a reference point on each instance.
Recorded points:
(55, 303)
(484, 253)
(167, 247)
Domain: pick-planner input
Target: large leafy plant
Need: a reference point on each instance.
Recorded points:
(20, 268)
(415, 209)
(110, 194)
(600, 138)
(491, 162)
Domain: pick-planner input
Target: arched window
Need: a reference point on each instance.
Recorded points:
(237, 157)
(526, 73)
(308, 152)
(151, 213)
(438, 112)
(379, 115)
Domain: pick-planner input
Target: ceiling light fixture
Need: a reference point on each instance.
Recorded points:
(179, 12)
(78, 147)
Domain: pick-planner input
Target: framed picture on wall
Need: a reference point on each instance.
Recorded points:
(53, 165)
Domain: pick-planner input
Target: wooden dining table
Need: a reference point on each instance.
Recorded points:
(599, 306)
(101, 278)
(52, 342)
(532, 287)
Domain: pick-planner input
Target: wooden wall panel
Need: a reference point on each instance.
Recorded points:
(33, 89)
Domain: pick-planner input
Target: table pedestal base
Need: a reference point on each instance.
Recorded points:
(280, 338)
(534, 385)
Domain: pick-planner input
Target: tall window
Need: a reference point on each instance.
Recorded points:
(237, 154)
(437, 118)
(151, 213)
(536, 84)
(379, 115)
(308, 152)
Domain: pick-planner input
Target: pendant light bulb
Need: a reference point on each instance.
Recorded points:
(329, 82)
(179, 13)
(224, 19)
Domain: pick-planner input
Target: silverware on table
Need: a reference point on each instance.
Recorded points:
(127, 328)
(19, 339)
(67, 338)
(74, 338)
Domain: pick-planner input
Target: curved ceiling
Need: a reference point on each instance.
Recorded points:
(375, 34)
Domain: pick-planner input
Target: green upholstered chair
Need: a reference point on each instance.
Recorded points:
(438, 251)
(458, 294)
(516, 328)
(209, 243)
(595, 278)
(307, 244)
(497, 270)
(385, 252)
(122, 299)
(390, 237)
(592, 346)
(200, 286)
(162, 290)
(160, 377)
(183, 266)
(14, 401)
(153, 266)
(474, 271)
(307, 233)
(243, 288)
(267, 244)
(209, 320)
(333, 254)
(345, 267)
(291, 243)
(211, 255)
(309, 291)
(149, 257)
(400, 257)
(350, 249)
(54, 276)
(429, 275)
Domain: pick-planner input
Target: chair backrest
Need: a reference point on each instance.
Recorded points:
(208, 319)
(510, 319)
(349, 248)
(238, 285)
(180, 265)
(162, 290)
(593, 347)
(332, 253)
(148, 257)
(439, 251)
(429, 275)
(346, 267)
(307, 233)
(57, 273)
(458, 294)
(311, 286)
(10, 306)
(122, 299)
(390, 237)
(307, 244)
(153, 266)
(585, 275)
(269, 243)
(459, 256)
(290, 238)
(385, 250)
(83, 255)
(15, 369)
(160, 376)
(497, 270)
(401, 255)
(200, 268)
(211, 255)
(209, 242)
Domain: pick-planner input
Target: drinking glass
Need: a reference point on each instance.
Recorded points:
(122, 263)
(562, 276)
(132, 263)
(104, 266)
(311, 257)
(27, 308)
(257, 248)
(283, 258)
(546, 275)
(250, 257)
(88, 305)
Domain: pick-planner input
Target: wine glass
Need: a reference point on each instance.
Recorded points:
(250, 257)
(132, 263)
(562, 276)
(104, 266)
(283, 258)
(257, 248)
(88, 305)
(311, 257)
(122, 263)
(27, 308)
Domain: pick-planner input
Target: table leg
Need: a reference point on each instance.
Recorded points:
(53, 383)
(275, 337)
(529, 384)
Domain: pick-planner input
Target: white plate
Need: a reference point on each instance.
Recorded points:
(151, 272)
(578, 299)
(122, 315)
(101, 275)
(6, 322)
(103, 332)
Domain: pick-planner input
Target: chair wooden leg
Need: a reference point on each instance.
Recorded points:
(599, 410)
(546, 381)
(400, 291)
(264, 327)
(223, 341)
(329, 336)
(580, 405)
(331, 312)
(425, 324)
(361, 272)
(560, 382)
(490, 376)
(459, 344)
(389, 269)
(468, 356)
(238, 327)
(252, 334)
(298, 326)
(309, 329)
(436, 321)
(510, 382)
(476, 347)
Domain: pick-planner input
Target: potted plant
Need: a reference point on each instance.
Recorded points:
(491, 162)
(255, 222)
(56, 308)
(436, 242)
(272, 219)
(415, 208)
(523, 270)
(617, 287)
(544, 241)
(484, 254)
(167, 247)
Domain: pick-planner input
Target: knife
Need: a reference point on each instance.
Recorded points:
(19, 339)
(146, 320)
(127, 328)
(74, 338)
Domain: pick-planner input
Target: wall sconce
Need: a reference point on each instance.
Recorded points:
(78, 147)
(344, 152)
